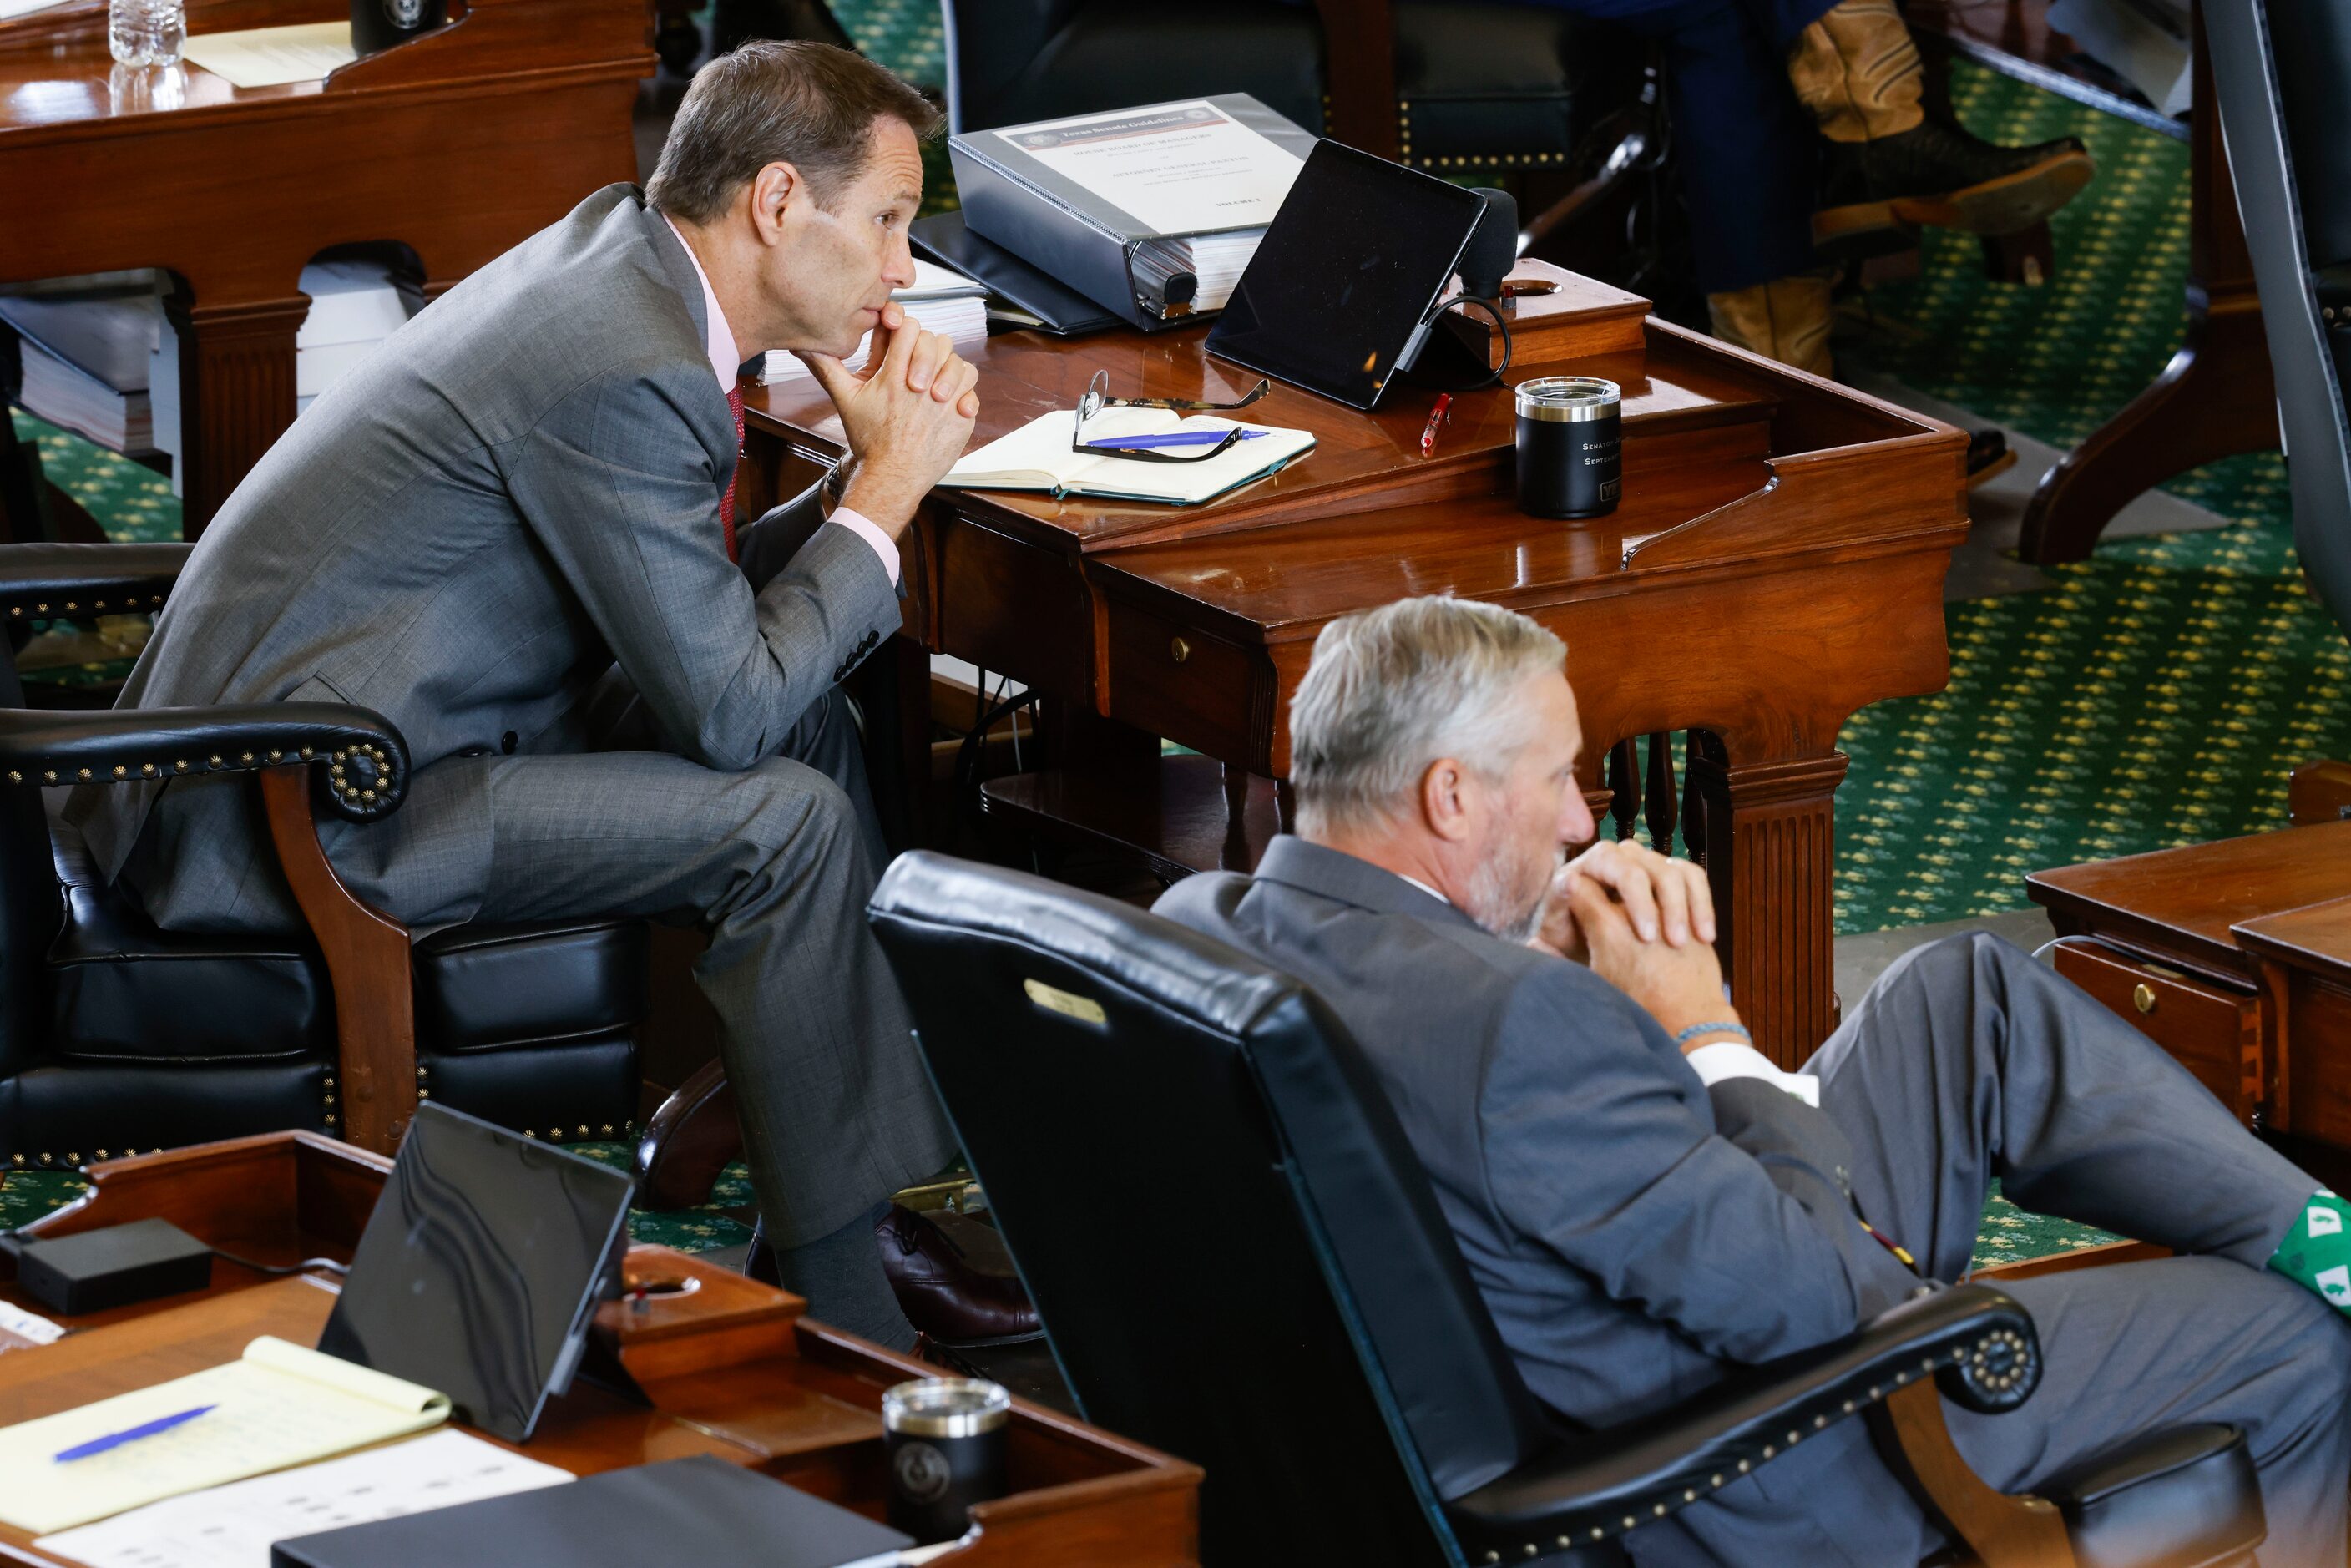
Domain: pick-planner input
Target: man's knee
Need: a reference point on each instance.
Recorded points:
(792, 829)
(2314, 1340)
(1953, 967)
(797, 806)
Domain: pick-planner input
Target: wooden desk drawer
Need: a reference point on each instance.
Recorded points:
(1177, 680)
(2214, 1033)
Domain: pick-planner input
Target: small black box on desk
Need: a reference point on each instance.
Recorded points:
(113, 1266)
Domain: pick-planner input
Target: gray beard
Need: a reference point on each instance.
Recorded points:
(1499, 906)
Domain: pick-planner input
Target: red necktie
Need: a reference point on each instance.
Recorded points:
(726, 499)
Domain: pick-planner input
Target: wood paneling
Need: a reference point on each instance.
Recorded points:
(2214, 1032)
(2176, 906)
(458, 144)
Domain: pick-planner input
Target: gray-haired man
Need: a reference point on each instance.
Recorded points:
(512, 532)
(1645, 1201)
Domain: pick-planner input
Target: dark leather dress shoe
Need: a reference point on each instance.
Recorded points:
(1989, 455)
(954, 1279)
(1940, 174)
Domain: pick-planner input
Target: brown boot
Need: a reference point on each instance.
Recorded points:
(1857, 71)
(1888, 164)
(1785, 320)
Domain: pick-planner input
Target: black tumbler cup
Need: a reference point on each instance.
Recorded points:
(1570, 451)
(946, 1441)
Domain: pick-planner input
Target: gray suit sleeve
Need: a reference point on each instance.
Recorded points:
(768, 546)
(1806, 1153)
(1747, 1250)
(620, 484)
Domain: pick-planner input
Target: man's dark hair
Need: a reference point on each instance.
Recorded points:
(809, 105)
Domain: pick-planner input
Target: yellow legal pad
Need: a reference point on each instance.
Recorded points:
(279, 1405)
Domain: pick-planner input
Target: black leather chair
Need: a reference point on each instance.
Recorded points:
(2282, 77)
(1438, 84)
(1294, 1314)
(116, 1036)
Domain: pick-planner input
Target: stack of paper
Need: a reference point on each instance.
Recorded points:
(234, 1526)
(86, 363)
(280, 1405)
(943, 300)
(1214, 263)
(355, 306)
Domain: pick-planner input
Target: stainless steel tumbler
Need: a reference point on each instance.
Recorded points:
(945, 1440)
(1571, 446)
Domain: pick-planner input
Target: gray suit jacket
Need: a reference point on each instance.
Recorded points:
(1633, 1231)
(515, 493)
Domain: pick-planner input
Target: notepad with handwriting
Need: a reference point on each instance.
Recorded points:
(279, 1405)
(1038, 456)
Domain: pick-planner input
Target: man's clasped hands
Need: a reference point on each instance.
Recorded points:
(1645, 923)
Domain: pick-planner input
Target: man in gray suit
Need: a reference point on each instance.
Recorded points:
(1645, 1202)
(512, 532)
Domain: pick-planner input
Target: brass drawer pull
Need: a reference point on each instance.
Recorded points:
(1179, 650)
(2143, 997)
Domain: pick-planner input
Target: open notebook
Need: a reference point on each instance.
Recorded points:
(1036, 456)
(279, 1405)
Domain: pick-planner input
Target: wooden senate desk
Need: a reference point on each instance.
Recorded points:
(730, 1367)
(1776, 564)
(457, 144)
(2235, 956)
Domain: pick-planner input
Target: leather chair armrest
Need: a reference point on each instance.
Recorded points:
(2186, 1495)
(1976, 1342)
(45, 580)
(363, 762)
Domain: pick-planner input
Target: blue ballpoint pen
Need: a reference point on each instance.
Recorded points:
(131, 1435)
(1177, 438)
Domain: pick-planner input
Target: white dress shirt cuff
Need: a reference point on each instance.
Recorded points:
(1736, 1059)
(884, 546)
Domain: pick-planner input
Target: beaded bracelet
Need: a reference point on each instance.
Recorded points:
(1697, 1029)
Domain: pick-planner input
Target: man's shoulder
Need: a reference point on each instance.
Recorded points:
(1276, 919)
(593, 297)
(1206, 902)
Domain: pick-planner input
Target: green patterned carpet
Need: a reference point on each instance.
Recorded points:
(2158, 695)
(2155, 695)
(25, 1196)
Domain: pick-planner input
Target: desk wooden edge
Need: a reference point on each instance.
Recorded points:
(305, 1190)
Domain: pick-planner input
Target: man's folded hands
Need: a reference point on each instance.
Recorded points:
(1644, 923)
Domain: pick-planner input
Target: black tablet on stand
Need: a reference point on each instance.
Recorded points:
(1345, 285)
(481, 1268)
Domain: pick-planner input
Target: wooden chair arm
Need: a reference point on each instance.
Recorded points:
(1359, 55)
(368, 962)
(2003, 1531)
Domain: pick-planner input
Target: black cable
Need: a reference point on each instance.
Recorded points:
(968, 755)
(1420, 377)
(1501, 323)
(307, 1263)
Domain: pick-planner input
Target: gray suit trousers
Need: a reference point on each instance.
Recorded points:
(776, 862)
(1968, 1061)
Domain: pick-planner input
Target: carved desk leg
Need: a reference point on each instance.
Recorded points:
(2214, 400)
(237, 393)
(1770, 848)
